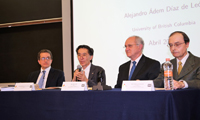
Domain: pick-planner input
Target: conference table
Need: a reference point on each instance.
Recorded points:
(112, 104)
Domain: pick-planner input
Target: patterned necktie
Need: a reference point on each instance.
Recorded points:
(41, 81)
(132, 70)
(179, 67)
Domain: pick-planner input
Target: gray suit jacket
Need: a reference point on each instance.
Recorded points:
(93, 75)
(189, 73)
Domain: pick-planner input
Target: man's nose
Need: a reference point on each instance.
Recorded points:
(127, 48)
(81, 57)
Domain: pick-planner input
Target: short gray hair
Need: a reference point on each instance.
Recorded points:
(139, 40)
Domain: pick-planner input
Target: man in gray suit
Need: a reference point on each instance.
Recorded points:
(89, 73)
(186, 66)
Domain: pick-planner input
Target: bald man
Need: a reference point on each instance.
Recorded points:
(139, 67)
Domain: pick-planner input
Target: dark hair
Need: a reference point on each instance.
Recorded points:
(90, 50)
(44, 51)
(185, 37)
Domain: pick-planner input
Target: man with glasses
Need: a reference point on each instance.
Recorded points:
(139, 67)
(46, 76)
(186, 66)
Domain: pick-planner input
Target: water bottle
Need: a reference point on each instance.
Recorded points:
(168, 75)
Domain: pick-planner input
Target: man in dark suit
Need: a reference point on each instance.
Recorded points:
(47, 76)
(186, 66)
(89, 73)
(139, 67)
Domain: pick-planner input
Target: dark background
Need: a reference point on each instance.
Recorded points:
(26, 10)
(19, 45)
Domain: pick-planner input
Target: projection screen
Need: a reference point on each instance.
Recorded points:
(105, 25)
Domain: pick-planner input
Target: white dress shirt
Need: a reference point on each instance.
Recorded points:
(87, 70)
(137, 61)
(46, 75)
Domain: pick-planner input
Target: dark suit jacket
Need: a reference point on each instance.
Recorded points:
(54, 79)
(146, 69)
(190, 72)
(93, 75)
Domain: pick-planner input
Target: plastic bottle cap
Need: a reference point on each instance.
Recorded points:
(167, 59)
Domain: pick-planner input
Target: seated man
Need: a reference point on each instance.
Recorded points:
(90, 72)
(46, 76)
(186, 66)
(139, 67)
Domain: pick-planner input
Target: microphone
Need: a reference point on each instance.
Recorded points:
(79, 69)
(99, 85)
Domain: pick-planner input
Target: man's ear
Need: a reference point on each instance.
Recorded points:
(141, 46)
(187, 44)
(91, 57)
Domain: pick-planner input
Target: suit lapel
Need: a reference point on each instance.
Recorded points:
(50, 76)
(138, 67)
(187, 67)
(91, 72)
(126, 70)
(35, 76)
(175, 73)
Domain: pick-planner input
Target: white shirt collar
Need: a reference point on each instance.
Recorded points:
(87, 70)
(47, 69)
(137, 60)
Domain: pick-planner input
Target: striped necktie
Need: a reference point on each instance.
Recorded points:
(132, 70)
(41, 81)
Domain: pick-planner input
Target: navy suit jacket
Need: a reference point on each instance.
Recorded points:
(190, 72)
(54, 79)
(146, 69)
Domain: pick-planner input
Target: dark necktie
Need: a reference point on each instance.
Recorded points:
(132, 70)
(41, 81)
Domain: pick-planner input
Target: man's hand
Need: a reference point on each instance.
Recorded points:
(75, 75)
(178, 84)
(80, 76)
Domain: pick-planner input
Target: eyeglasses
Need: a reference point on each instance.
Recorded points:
(47, 58)
(175, 45)
(130, 45)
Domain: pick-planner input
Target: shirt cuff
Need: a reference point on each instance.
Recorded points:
(185, 83)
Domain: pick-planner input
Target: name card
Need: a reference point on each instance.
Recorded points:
(7, 88)
(24, 86)
(144, 85)
(74, 86)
